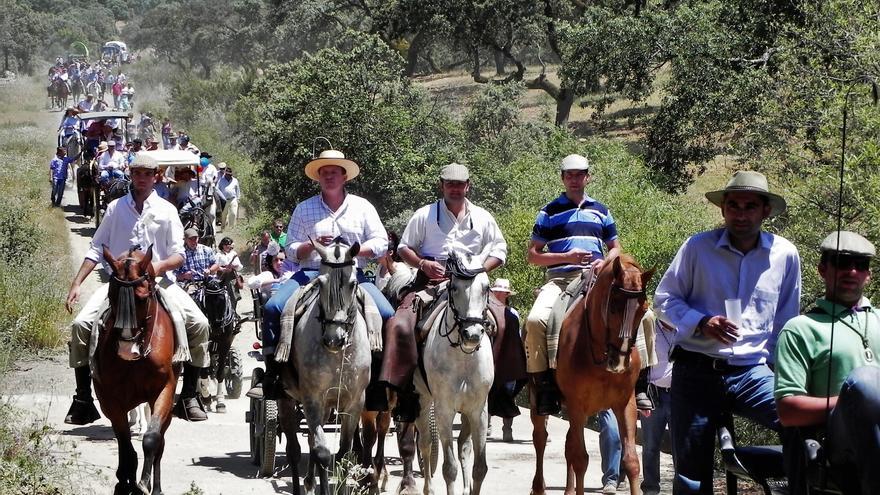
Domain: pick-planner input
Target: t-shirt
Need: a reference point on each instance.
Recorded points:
(563, 226)
(802, 349)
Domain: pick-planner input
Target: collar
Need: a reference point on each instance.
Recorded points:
(341, 207)
(467, 209)
(587, 199)
(765, 241)
(837, 309)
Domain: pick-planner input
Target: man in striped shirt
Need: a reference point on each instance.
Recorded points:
(570, 234)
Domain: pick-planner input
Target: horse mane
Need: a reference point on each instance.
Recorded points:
(456, 268)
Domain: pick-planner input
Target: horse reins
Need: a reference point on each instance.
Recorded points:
(456, 270)
(627, 329)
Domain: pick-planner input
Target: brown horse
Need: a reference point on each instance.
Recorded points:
(597, 369)
(133, 361)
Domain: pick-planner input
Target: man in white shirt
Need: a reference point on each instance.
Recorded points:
(112, 163)
(324, 217)
(86, 104)
(450, 225)
(228, 194)
(141, 219)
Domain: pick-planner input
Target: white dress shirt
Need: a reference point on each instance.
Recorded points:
(109, 161)
(123, 227)
(434, 232)
(227, 190)
(356, 220)
(708, 270)
(227, 259)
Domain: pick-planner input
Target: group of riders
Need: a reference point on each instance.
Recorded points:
(80, 77)
(722, 362)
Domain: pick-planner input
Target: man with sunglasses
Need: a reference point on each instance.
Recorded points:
(728, 293)
(834, 385)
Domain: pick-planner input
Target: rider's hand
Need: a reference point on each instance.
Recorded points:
(433, 269)
(578, 256)
(721, 329)
(72, 298)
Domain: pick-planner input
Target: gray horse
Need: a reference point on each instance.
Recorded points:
(458, 374)
(329, 365)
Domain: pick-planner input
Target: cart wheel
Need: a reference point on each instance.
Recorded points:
(233, 374)
(269, 438)
(252, 417)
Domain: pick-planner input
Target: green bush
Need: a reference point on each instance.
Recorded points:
(29, 460)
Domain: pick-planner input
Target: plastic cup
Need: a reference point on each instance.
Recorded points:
(733, 308)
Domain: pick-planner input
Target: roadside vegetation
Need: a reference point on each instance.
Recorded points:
(34, 271)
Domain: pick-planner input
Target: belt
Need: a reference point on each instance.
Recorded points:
(662, 389)
(697, 359)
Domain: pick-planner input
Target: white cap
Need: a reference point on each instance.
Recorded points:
(575, 162)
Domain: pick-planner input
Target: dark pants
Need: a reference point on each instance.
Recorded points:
(653, 428)
(703, 391)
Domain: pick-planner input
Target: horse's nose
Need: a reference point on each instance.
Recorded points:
(471, 335)
(334, 343)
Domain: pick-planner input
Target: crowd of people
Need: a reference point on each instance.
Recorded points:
(726, 311)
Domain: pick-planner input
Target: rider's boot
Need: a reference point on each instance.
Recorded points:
(188, 406)
(82, 411)
(643, 398)
(269, 388)
(547, 394)
(376, 395)
(407, 409)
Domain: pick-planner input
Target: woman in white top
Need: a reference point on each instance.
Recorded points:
(275, 272)
(230, 265)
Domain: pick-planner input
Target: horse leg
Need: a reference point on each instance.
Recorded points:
(154, 439)
(406, 445)
(126, 472)
(290, 426)
(444, 429)
(576, 456)
(424, 444)
(626, 421)
(368, 437)
(319, 454)
(539, 440)
(222, 360)
(466, 452)
(479, 427)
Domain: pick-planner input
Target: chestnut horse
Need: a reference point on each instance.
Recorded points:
(133, 361)
(598, 365)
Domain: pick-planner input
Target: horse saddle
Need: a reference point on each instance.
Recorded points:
(576, 290)
(304, 298)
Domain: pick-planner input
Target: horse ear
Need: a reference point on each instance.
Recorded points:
(646, 276)
(354, 250)
(147, 260)
(322, 252)
(108, 256)
(617, 268)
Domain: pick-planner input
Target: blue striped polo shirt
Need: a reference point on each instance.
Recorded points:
(562, 225)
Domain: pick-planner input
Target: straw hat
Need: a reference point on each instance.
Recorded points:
(748, 181)
(102, 147)
(502, 285)
(332, 157)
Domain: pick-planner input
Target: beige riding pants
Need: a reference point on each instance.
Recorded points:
(229, 215)
(536, 322)
(197, 327)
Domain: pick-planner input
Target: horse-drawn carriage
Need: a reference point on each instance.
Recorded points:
(115, 52)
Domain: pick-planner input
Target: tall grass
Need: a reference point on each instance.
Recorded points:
(34, 273)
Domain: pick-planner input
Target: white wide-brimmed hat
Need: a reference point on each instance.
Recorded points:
(102, 146)
(332, 157)
(749, 181)
(502, 285)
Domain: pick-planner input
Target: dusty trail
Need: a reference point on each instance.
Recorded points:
(215, 454)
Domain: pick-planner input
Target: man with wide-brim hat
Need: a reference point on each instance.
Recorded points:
(329, 214)
(143, 219)
(728, 292)
(828, 370)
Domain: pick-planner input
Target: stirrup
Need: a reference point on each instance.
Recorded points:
(256, 392)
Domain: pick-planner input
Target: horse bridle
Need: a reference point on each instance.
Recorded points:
(628, 295)
(126, 300)
(348, 323)
(456, 271)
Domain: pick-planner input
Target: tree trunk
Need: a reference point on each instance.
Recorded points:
(412, 55)
(206, 70)
(475, 58)
(499, 62)
(563, 106)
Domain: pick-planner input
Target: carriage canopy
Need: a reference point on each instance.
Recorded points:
(166, 159)
(103, 115)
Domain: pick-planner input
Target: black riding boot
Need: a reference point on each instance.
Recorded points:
(376, 395)
(547, 394)
(643, 398)
(269, 388)
(82, 411)
(407, 409)
(188, 406)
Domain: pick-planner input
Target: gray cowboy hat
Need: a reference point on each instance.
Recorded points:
(749, 181)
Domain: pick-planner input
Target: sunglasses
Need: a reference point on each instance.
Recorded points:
(850, 262)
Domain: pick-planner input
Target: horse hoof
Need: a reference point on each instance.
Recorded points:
(144, 490)
(220, 408)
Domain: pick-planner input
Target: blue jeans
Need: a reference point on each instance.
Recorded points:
(610, 449)
(113, 173)
(57, 191)
(854, 427)
(275, 305)
(700, 396)
(653, 428)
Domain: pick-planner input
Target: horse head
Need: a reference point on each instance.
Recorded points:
(215, 303)
(468, 301)
(132, 294)
(337, 282)
(620, 289)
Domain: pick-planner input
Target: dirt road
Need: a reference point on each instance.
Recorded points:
(214, 455)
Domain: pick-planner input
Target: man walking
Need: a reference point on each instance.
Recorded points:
(728, 292)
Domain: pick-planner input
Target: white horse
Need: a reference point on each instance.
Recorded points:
(459, 371)
(330, 366)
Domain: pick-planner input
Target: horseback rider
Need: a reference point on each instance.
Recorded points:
(324, 217)
(568, 236)
(143, 219)
(450, 225)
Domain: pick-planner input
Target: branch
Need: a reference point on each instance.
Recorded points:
(541, 82)
(762, 60)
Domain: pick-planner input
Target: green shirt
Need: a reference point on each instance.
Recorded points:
(281, 239)
(802, 357)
